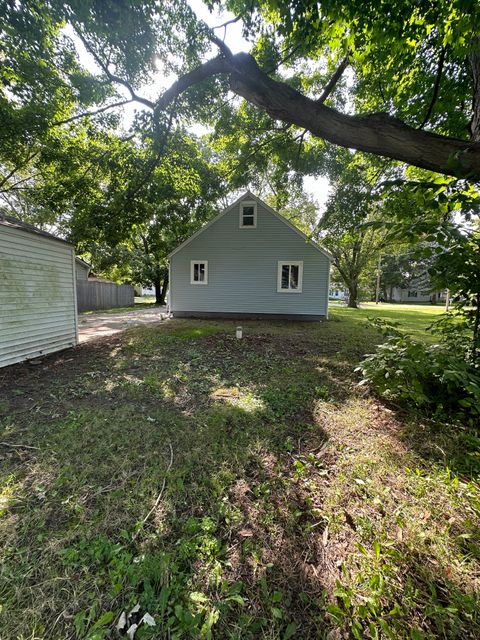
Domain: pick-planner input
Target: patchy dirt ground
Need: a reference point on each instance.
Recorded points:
(233, 489)
(100, 325)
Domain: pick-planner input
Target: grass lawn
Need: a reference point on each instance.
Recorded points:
(413, 318)
(233, 489)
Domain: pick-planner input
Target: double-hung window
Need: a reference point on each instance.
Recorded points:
(290, 277)
(199, 272)
(248, 215)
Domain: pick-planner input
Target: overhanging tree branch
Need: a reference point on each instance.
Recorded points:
(111, 76)
(96, 112)
(436, 87)
(213, 67)
(225, 24)
(377, 133)
(332, 83)
(220, 44)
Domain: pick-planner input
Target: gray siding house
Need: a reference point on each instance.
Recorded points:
(82, 269)
(249, 261)
(38, 312)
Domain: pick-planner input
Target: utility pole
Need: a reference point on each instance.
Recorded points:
(447, 300)
(377, 290)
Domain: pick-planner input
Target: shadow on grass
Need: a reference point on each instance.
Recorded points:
(246, 538)
(452, 446)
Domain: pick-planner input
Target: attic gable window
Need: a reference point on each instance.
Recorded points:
(199, 272)
(248, 215)
(290, 277)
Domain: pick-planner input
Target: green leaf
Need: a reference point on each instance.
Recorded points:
(290, 631)
(103, 621)
(197, 596)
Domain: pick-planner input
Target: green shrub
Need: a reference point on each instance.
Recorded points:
(440, 378)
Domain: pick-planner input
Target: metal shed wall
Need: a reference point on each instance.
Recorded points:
(37, 296)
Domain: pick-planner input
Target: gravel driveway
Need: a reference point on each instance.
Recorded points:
(98, 325)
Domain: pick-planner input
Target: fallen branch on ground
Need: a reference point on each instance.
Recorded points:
(159, 497)
(19, 446)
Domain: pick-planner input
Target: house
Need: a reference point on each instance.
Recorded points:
(416, 294)
(249, 261)
(337, 292)
(38, 312)
(82, 269)
(418, 289)
(144, 291)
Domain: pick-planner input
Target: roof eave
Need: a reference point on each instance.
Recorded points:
(14, 223)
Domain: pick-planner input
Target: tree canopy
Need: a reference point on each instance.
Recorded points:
(398, 80)
(414, 92)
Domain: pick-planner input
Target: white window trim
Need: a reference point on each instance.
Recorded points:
(299, 264)
(194, 262)
(248, 203)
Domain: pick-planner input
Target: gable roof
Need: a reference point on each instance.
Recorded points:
(14, 223)
(251, 196)
(82, 263)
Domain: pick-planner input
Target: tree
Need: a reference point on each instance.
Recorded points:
(298, 207)
(414, 67)
(354, 253)
(457, 268)
(413, 94)
(130, 237)
(392, 274)
(269, 157)
(343, 229)
(409, 267)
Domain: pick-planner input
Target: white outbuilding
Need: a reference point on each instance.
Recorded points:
(38, 307)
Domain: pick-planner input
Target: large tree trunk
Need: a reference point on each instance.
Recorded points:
(353, 295)
(163, 295)
(476, 330)
(158, 290)
(475, 64)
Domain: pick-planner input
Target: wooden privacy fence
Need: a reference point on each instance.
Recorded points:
(93, 294)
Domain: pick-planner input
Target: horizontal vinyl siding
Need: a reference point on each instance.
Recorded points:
(37, 296)
(242, 269)
(81, 271)
(36, 252)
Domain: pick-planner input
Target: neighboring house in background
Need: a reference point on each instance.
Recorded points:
(419, 290)
(144, 291)
(414, 294)
(38, 312)
(82, 269)
(337, 293)
(249, 261)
